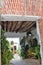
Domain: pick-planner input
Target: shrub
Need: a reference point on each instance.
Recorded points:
(6, 53)
(24, 48)
(37, 51)
(34, 52)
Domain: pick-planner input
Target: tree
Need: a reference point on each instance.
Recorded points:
(24, 48)
(6, 53)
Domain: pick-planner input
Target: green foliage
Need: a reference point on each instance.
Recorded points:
(19, 52)
(24, 48)
(34, 52)
(32, 49)
(34, 42)
(6, 53)
(23, 52)
(37, 51)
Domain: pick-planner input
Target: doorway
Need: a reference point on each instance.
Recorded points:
(24, 30)
(15, 49)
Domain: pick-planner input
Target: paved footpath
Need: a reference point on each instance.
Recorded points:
(17, 60)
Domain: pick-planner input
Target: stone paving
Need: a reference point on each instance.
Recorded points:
(18, 61)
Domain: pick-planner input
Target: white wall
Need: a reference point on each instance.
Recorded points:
(14, 34)
(15, 40)
(39, 39)
(36, 35)
(34, 32)
(11, 36)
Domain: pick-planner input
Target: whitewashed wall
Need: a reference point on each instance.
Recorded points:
(34, 32)
(14, 34)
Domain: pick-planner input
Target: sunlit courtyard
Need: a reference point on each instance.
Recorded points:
(20, 44)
